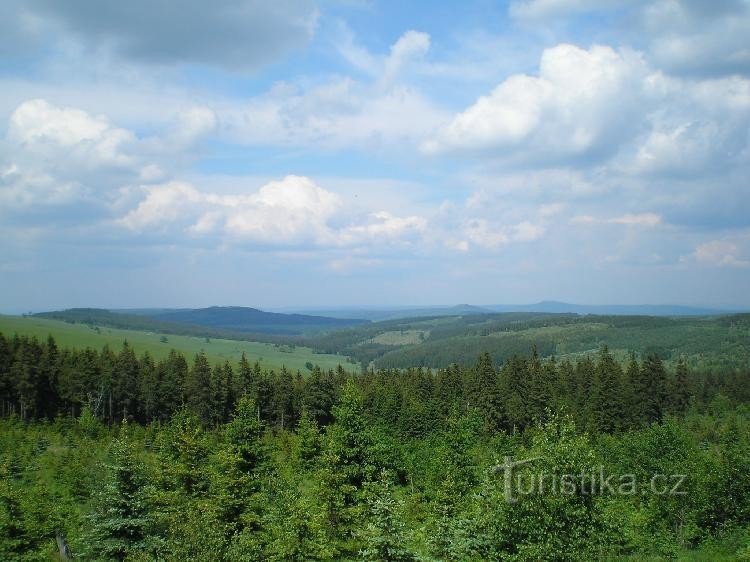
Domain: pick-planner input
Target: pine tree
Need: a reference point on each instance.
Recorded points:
(120, 523)
(384, 534)
(448, 390)
(680, 388)
(585, 375)
(7, 385)
(484, 392)
(246, 377)
(346, 460)
(48, 376)
(296, 527)
(308, 439)
(199, 391)
(319, 397)
(650, 389)
(125, 386)
(282, 400)
(513, 389)
(149, 402)
(607, 404)
(540, 386)
(235, 478)
(25, 374)
(172, 383)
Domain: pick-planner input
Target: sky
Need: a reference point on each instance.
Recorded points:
(303, 153)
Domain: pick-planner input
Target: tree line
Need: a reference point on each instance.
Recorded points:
(38, 380)
(127, 458)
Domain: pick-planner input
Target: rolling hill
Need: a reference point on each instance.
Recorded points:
(159, 344)
(229, 322)
(252, 320)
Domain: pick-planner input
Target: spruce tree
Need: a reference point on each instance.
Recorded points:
(608, 406)
(347, 462)
(680, 388)
(120, 522)
(384, 535)
(125, 386)
(650, 389)
(198, 389)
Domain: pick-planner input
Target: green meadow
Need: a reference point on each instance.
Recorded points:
(270, 356)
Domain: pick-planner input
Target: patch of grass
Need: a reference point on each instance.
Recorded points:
(402, 337)
(270, 356)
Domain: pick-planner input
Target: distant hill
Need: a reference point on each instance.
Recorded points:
(608, 309)
(554, 307)
(216, 321)
(378, 314)
(709, 343)
(244, 319)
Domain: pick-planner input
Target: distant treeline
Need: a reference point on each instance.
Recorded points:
(39, 380)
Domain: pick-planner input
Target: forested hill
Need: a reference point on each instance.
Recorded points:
(227, 322)
(244, 319)
(711, 343)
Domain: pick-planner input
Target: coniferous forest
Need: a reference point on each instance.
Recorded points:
(107, 455)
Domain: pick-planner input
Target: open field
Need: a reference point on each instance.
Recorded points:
(269, 355)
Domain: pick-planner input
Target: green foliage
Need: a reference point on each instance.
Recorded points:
(121, 521)
(384, 465)
(384, 535)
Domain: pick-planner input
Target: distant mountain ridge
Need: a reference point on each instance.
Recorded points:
(610, 309)
(217, 321)
(379, 314)
(245, 319)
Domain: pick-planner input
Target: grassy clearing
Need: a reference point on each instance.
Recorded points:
(402, 337)
(270, 356)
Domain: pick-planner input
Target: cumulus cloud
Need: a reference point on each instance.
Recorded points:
(41, 127)
(581, 103)
(238, 35)
(291, 211)
(698, 38)
(682, 37)
(719, 253)
(489, 235)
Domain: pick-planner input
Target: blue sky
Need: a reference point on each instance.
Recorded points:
(302, 153)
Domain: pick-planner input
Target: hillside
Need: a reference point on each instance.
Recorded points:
(713, 343)
(244, 319)
(158, 344)
(226, 322)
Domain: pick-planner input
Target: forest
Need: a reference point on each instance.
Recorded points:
(118, 456)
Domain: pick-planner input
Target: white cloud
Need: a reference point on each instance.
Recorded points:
(163, 204)
(486, 234)
(720, 253)
(582, 101)
(641, 219)
(294, 209)
(341, 113)
(628, 219)
(410, 46)
(41, 127)
(704, 38)
(291, 211)
(194, 124)
(384, 226)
